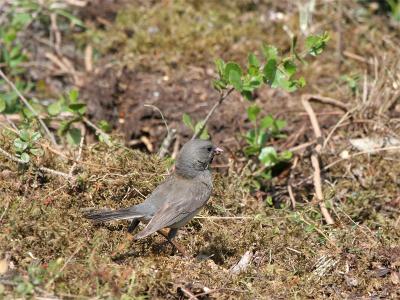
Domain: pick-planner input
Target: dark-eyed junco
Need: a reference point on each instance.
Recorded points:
(175, 201)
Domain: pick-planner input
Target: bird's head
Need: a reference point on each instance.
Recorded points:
(195, 156)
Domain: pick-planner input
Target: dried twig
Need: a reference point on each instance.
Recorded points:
(224, 218)
(188, 293)
(5, 210)
(315, 159)
(23, 99)
(326, 100)
(167, 143)
(392, 148)
(89, 58)
(210, 113)
(170, 133)
(97, 130)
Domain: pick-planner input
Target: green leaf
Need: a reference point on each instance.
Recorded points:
(24, 135)
(9, 37)
(289, 67)
(251, 150)
(315, 44)
(254, 71)
(251, 137)
(247, 94)
(37, 108)
(187, 120)
(267, 122)
(220, 66)
(74, 20)
(235, 80)
(105, 126)
(25, 157)
(262, 138)
(15, 52)
(269, 71)
(267, 174)
(55, 108)
(3, 104)
(79, 108)
(281, 81)
(270, 52)
(64, 127)
(105, 138)
(37, 151)
(280, 124)
(219, 85)
(301, 82)
(268, 156)
(204, 135)
(231, 66)
(309, 228)
(285, 156)
(74, 136)
(73, 95)
(35, 136)
(253, 60)
(269, 201)
(252, 112)
(20, 19)
(20, 145)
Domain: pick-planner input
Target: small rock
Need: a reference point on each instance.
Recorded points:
(351, 281)
(395, 278)
(243, 264)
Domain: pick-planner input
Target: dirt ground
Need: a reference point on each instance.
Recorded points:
(161, 53)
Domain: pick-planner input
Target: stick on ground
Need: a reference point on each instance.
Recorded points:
(315, 158)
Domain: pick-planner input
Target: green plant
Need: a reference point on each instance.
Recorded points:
(196, 127)
(74, 112)
(352, 82)
(26, 144)
(19, 15)
(37, 276)
(276, 71)
(75, 109)
(394, 6)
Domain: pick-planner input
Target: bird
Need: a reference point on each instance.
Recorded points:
(175, 201)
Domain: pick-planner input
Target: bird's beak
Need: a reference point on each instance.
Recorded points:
(218, 150)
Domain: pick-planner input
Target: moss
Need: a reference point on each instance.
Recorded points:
(43, 226)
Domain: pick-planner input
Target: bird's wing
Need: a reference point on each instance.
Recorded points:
(184, 199)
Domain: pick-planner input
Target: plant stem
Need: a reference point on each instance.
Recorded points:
(43, 169)
(23, 99)
(210, 113)
(97, 129)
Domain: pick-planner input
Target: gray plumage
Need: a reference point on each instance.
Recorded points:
(175, 201)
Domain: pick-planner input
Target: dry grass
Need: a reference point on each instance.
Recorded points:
(43, 231)
(47, 248)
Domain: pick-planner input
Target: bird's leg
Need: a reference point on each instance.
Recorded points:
(133, 225)
(169, 236)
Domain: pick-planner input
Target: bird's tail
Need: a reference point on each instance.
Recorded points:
(112, 215)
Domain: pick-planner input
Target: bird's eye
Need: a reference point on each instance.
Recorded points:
(209, 149)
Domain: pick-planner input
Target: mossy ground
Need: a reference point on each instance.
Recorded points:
(47, 248)
(43, 231)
